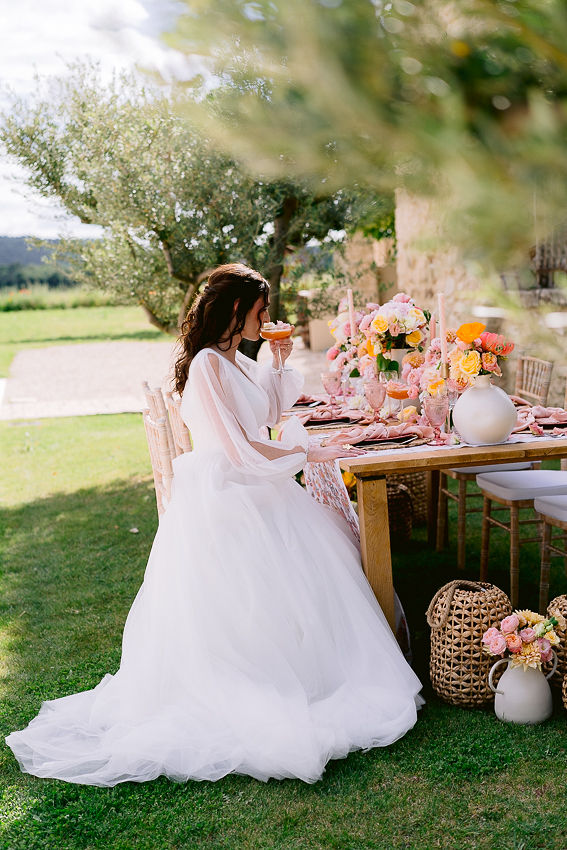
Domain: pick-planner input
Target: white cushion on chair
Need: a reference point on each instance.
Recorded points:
(529, 484)
(495, 467)
(552, 506)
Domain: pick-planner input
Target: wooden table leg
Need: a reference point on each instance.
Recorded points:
(375, 542)
(432, 505)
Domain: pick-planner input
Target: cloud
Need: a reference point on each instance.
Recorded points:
(43, 37)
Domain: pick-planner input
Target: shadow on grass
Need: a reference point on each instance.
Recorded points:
(72, 569)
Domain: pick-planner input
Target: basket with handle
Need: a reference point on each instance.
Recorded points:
(458, 615)
(556, 681)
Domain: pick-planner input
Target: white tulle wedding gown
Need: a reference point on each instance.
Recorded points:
(255, 644)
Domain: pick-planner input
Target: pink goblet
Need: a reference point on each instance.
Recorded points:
(331, 384)
(436, 408)
(375, 393)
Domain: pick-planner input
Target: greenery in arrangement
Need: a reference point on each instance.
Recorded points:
(71, 566)
(171, 205)
(461, 101)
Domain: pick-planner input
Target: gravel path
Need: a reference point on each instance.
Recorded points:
(106, 377)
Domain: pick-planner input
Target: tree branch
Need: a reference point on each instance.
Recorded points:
(153, 320)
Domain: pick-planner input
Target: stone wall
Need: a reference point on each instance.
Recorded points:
(370, 266)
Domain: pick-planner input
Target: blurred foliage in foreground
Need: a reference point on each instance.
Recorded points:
(465, 100)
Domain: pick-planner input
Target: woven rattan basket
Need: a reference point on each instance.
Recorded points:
(559, 604)
(400, 512)
(564, 692)
(416, 482)
(459, 614)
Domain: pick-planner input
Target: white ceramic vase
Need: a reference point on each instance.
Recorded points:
(522, 696)
(398, 354)
(484, 415)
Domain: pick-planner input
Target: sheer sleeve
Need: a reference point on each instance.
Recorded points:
(283, 389)
(221, 419)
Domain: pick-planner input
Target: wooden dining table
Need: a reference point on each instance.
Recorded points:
(372, 470)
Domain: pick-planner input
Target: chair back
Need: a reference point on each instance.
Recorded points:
(161, 457)
(180, 431)
(324, 483)
(533, 377)
(156, 406)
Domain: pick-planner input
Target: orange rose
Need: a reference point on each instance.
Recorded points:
(470, 331)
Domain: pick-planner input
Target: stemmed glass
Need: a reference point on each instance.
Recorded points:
(270, 332)
(436, 408)
(384, 378)
(331, 384)
(397, 393)
(375, 392)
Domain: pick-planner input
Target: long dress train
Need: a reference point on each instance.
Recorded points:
(255, 644)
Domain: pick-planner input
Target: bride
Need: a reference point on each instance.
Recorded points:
(255, 644)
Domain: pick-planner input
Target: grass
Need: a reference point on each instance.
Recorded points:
(41, 328)
(459, 779)
(40, 297)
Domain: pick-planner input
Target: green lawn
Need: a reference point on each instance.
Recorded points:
(70, 570)
(40, 328)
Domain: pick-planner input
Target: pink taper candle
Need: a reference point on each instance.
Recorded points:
(351, 312)
(442, 327)
(432, 327)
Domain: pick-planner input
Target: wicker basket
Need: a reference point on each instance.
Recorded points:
(459, 614)
(564, 692)
(416, 482)
(559, 604)
(400, 512)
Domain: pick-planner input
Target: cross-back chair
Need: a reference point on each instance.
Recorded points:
(161, 458)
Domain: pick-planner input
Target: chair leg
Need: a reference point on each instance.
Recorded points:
(545, 563)
(442, 523)
(514, 554)
(564, 540)
(462, 525)
(485, 541)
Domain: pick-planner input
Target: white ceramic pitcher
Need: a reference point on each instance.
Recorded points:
(522, 696)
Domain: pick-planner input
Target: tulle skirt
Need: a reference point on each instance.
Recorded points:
(255, 645)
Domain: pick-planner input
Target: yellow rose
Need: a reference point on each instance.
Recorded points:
(408, 414)
(415, 316)
(553, 637)
(470, 363)
(436, 387)
(414, 338)
(379, 324)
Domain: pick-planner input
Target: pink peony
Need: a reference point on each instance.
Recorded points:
(527, 635)
(332, 352)
(402, 298)
(365, 323)
(497, 645)
(372, 306)
(509, 624)
(514, 643)
(544, 645)
(490, 634)
(413, 391)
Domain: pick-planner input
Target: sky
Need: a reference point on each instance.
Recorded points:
(41, 36)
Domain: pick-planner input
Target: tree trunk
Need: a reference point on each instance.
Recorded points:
(153, 320)
(281, 231)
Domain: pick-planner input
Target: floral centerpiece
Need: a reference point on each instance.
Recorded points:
(524, 637)
(378, 329)
(476, 352)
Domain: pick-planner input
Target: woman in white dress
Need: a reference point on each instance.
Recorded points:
(255, 644)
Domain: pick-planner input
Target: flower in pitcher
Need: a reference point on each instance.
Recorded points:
(509, 624)
(514, 642)
(528, 635)
(497, 645)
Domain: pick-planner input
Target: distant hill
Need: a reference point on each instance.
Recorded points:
(14, 249)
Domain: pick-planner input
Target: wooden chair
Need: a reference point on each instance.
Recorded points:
(161, 458)
(533, 377)
(552, 511)
(156, 406)
(180, 432)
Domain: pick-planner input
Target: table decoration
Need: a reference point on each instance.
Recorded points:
(484, 414)
(523, 640)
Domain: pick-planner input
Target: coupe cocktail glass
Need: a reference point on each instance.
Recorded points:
(396, 392)
(273, 332)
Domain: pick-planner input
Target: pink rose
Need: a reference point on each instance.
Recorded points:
(413, 391)
(509, 624)
(341, 360)
(395, 329)
(490, 634)
(527, 635)
(402, 298)
(365, 322)
(514, 643)
(372, 306)
(332, 352)
(544, 645)
(497, 645)
(464, 346)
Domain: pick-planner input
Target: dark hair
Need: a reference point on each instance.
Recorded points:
(210, 317)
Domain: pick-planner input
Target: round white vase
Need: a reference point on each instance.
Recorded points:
(522, 696)
(484, 415)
